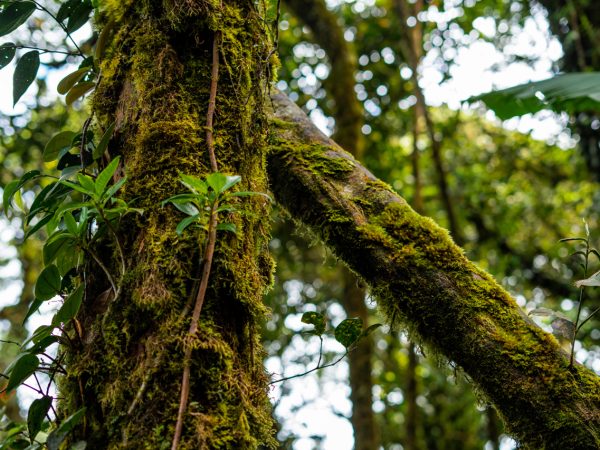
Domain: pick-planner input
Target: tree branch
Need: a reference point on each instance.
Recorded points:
(421, 277)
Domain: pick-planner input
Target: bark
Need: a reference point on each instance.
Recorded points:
(127, 368)
(422, 278)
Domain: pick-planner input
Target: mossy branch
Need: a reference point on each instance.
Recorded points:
(420, 276)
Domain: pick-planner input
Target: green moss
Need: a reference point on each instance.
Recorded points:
(127, 371)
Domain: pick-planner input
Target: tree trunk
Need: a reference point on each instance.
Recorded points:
(421, 277)
(127, 369)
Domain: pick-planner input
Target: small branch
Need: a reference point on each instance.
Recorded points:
(9, 342)
(86, 125)
(587, 318)
(210, 247)
(42, 50)
(103, 267)
(579, 307)
(116, 236)
(311, 370)
(212, 101)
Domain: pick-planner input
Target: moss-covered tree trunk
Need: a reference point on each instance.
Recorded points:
(127, 370)
(422, 278)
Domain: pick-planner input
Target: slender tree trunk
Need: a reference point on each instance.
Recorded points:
(348, 117)
(127, 369)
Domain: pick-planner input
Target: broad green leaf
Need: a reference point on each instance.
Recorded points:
(71, 223)
(114, 188)
(194, 184)
(35, 305)
(66, 9)
(70, 307)
(70, 80)
(43, 344)
(232, 180)
(250, 194)
(316, 319)
(62, 248)
(217, 181)
(14, 15)
(349, 331)
(79, 16)
(105, 176)
(181, 226)
(103, 39)
(87, 183)
(11, 188)
(179, 198)
(38, 335)
(104, 140)
(563, 328)
(569, 92)
(227, 227)
(79, 90)
(48, 283)
(36, 415)
(58, 436)
(75, 186)
(23, 368)
(25, 72)
(58, 143)
(186, 208)
(7, 53)
(594, 280)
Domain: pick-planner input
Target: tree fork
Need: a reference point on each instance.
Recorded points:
(422, 278)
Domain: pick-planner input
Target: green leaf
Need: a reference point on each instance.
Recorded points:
(194, 184)
(186, 208)
(7, 53)
(11, 188)
(594, 280)
(63, 248)
(25, 73)
(349, 331)
(217, 181)
(39, 334)
(105, 176)
(104, 140)
(232, 180)
(48, 283)
(543, 312)
(573, 239)
(114, 188)
(58, 436)
(103, 39)
(70, 307)
(71, 223)
(36, 415)
(181, 226)
(563, 328)
(79, 90)
(58, 143)
(316, 319)
(250, 194)
(87, 183)
(42, 345)
(227, 227)
(14, 15)
(66, 9)
(369, 330)
(569, 92)
(35, 305)
(70, 80)
(22, 369)
(79, 445)
(79, 16)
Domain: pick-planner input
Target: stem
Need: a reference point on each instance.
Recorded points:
(579, 307)
(313, 369)
(587, 318)
(60, 24)
(114, 233)
(43, 50)
(212, 101)
(210, 246)
(185, 381)
(103, 267)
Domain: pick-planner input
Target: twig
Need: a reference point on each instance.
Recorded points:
(579, 307)
(103, 267)
(209, 251)
(42, 50)
(60, 24)
(314, 369)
